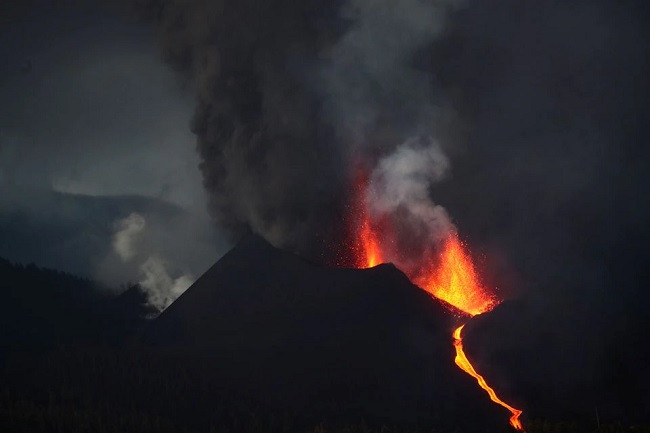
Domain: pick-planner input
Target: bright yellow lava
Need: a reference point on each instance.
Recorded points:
(463, 363)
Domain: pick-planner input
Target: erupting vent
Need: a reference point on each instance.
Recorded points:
(365, 248)
(454, 280)
(449, 276)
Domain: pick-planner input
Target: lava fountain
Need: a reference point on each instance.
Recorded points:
(450, 277)
(365, 249)
(454, 280)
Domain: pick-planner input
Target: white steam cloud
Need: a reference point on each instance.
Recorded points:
(128, 231)
(156, 280)
(161, 289)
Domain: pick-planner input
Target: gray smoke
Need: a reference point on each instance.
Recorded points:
(373, 93)
(291, 94)
(401, 184)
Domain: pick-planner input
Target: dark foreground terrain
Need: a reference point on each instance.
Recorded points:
(264, 341)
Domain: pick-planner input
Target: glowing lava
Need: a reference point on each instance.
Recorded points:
(454, 280)
(370, 244)
(366, 249)
(463, 363)
(451, 278)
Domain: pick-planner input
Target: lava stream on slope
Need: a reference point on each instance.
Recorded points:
(450, 277)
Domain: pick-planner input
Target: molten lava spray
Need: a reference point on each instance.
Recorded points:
(451, 278)
(366, 249)
(370, 244)
(454, 280)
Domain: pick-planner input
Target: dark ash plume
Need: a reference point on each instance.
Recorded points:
(289, 93)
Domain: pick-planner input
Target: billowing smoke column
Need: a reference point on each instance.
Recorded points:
(292, 95)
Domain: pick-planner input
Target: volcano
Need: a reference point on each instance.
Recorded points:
(324, 343)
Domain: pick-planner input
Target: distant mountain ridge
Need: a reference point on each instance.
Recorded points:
(75, 232)
(43, 308)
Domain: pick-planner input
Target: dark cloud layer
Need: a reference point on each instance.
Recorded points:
(92, 129)
(555, 99)
(79, 118)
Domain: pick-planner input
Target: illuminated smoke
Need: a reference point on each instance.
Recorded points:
(401, 183)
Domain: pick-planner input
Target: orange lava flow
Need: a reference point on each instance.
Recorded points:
(463, 363)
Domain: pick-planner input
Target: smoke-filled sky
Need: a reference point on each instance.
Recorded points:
(522, 125)
(94, 131)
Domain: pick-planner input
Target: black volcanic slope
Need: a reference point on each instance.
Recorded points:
(568, 361)
(324, 343)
